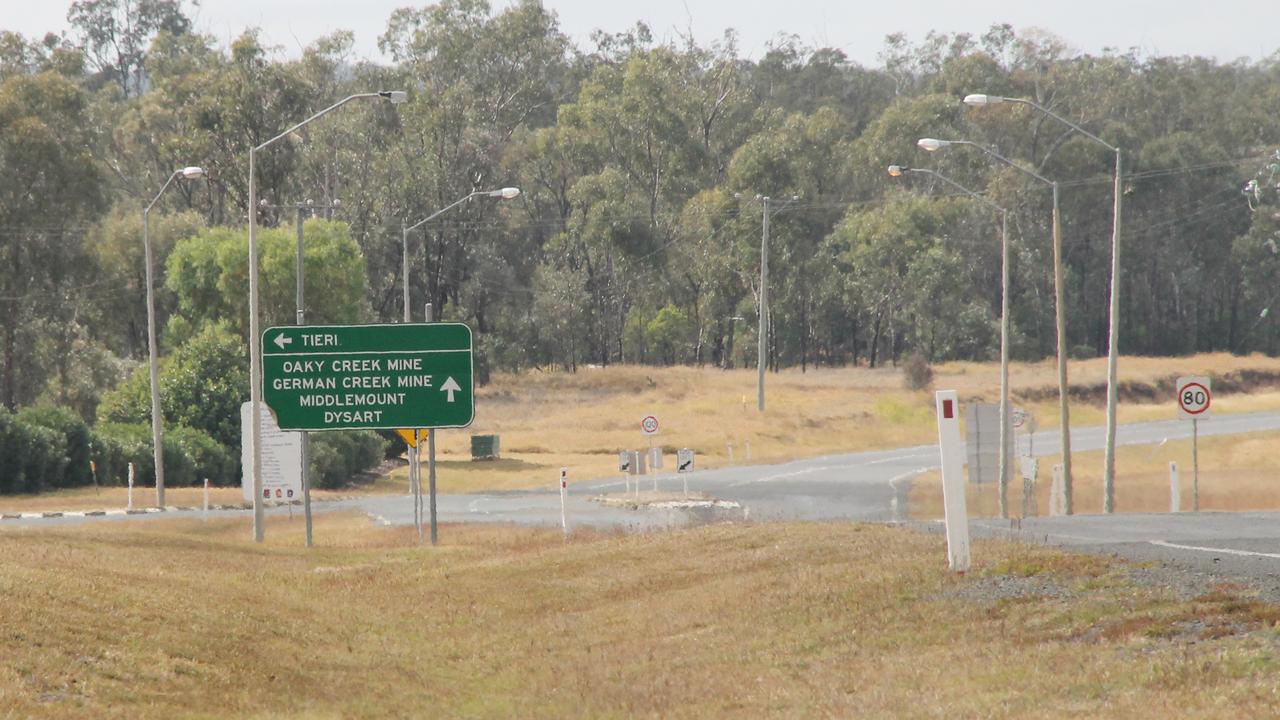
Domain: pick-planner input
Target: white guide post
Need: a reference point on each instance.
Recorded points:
(564, 489)
(1175, 493)
(205, 509)
(952, 451)
(130, 506)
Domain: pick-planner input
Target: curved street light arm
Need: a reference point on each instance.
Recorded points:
(444, 210)
(164, 187)
(1065, 121)
(957, 186)
(318, 115)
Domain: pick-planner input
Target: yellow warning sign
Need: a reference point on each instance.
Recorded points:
(409, 436)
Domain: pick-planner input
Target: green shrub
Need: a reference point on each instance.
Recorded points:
(338, 456)
(190, 456)
(75, 441)
(31, 457)
(208, 458)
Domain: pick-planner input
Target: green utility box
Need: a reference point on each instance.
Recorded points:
(484, 447)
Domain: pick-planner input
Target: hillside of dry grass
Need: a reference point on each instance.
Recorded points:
(183, 619)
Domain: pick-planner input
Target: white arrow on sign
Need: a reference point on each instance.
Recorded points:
(450, 386)
(281, 341)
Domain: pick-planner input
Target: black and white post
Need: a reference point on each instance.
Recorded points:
(564, 490)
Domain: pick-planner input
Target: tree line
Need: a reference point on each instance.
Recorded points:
(643, 166)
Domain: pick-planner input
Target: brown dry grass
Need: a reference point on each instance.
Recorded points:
(1236, 473)
(549, 420)
(108, 498)
(170, 618)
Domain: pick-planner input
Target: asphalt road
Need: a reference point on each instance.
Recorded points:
(870, 486)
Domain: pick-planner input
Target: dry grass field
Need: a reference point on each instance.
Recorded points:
(549, 420)
(184, 619)
(1236, 473)
(580, 421)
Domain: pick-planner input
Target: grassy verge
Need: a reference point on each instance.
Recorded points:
(175, 618)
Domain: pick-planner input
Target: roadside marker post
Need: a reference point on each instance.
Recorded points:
(955, 511)
(1175, 492)
(1195, 396)
(205, 508)
(564, 490)
(130, 506)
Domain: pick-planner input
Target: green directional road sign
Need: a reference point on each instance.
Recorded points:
(347, 377)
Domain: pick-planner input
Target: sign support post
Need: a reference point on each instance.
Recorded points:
(1195, 396)
(431, 464)
(1195, 465)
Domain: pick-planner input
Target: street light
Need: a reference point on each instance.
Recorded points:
(396, 97)
(157, 421)
(1060, 311)
(507, 193)
(1109, 463)
(504, 194)
(898, 171)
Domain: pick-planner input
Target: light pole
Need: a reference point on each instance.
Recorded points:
(157, 420)
(299, 276)
(1060, 309)
(1109, 462)
(897, 171)
(415, 482)
(762, 353)
(255, 342)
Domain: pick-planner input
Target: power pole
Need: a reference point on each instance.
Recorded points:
(762, 356)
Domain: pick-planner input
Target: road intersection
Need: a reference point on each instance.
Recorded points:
(866, 486)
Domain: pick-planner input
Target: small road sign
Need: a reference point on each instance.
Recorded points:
(413, 438)
(624, 461)
(684, 460)
(348, 377)
(649, 425)
(1194, 397)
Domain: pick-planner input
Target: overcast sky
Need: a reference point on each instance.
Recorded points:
(1225, 30)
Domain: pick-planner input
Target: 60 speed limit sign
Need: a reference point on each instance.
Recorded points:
(649, 425)
(1194, 397)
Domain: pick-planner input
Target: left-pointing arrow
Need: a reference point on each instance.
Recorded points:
(281, 340)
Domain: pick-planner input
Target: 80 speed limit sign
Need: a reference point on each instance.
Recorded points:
(1194, 397)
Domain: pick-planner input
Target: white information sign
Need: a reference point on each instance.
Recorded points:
(684, 460)
(281, 459)
(1194, 397)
